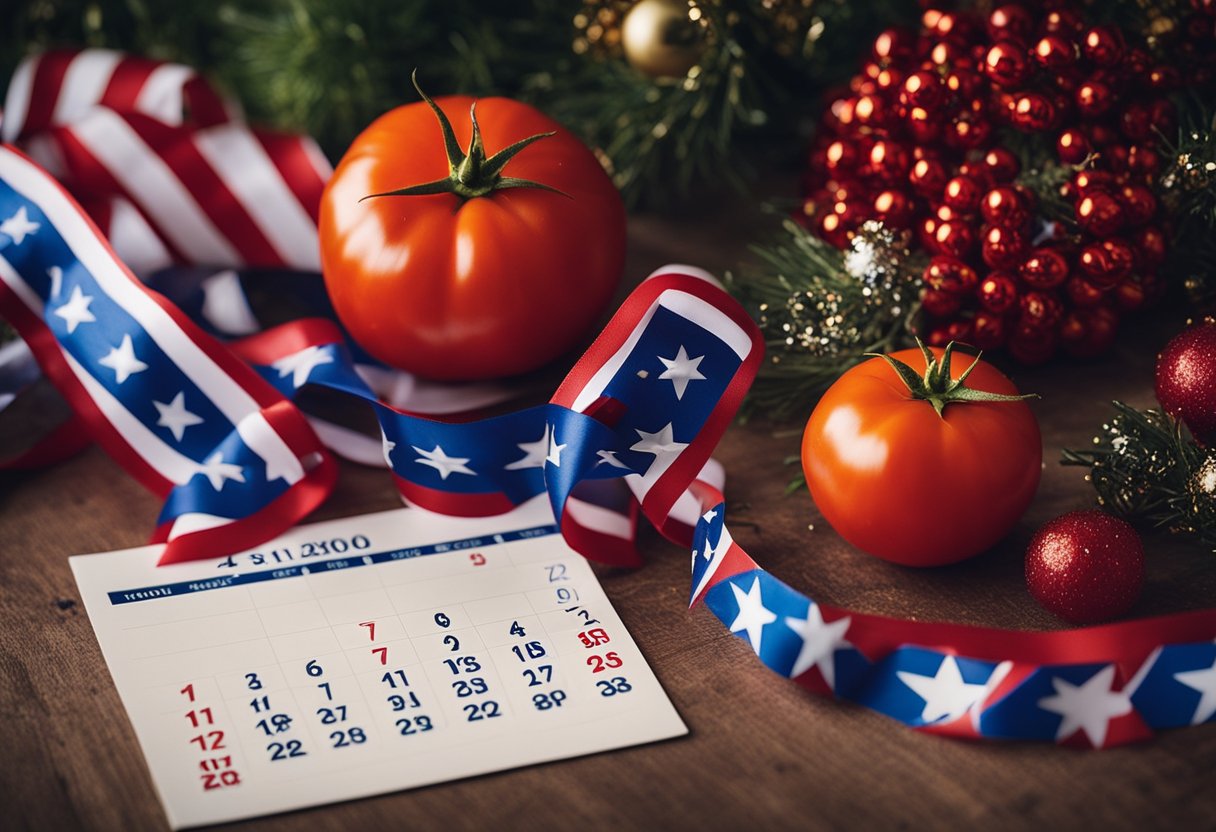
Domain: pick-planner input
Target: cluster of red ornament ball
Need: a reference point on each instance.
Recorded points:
(915, 145)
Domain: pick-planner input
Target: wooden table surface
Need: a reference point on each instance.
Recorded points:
(761, 753)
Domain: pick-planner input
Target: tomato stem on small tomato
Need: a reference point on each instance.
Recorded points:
(471, 174)
(937, 387)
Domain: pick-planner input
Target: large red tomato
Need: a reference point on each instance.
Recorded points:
(899, 480)
(493, 269)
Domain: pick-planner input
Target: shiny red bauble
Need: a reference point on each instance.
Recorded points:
(1002, 247)
(1033, 112)
(1073, 147)
(1186, 379)
(1055, 54)
(1004, 206)
(1085, 566)
(950, 274)
(1044, 269)
(1103, 46)
(998, 293)
(1100, 214)
(1006, 64)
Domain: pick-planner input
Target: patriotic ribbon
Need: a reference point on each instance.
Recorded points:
(165, 166)
(213, 428)
(1095, 687)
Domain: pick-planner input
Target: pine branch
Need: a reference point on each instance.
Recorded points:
(821, 310)
(1144, 466)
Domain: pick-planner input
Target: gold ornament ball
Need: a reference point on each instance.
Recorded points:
(662, 39)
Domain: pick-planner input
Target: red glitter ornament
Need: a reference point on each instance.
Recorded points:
(962, 193)
(1045, 268)
(1006, 64)
(1085, 566)
(998, 293)
(1186, 379)
(1055, 54)
(1004, 206)
(1100, 214)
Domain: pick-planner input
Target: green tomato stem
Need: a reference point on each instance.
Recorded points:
(470, 174)
(937, 387)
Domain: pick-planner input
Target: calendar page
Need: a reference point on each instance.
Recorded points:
(366, 655)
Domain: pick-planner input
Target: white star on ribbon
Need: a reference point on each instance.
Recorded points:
(441, 462)
(18, 226)
(1204, 681)
(947, 696)
(76, 310)
(753, 615)
(681, 370)
(1089, 706)
(820, 642)
(386, 447)
(534, 452)
(122, 360)
(609, 458)
(709, 516)
(219, 472)
(659, 443)
(175, 417)
(301, 364)
(554, 457)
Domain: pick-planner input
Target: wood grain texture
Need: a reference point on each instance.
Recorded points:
(761, 753)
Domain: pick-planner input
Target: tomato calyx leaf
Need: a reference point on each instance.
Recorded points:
(937, 387)
(470, 174)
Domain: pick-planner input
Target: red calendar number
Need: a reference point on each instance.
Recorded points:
(210, 741)
(382, 652)
(594, 638)
(218, 773)
(200, 716)
(600, 663)
(188, 692)
(371, 628)
(478, 559)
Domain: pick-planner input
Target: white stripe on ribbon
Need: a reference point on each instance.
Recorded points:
(134, 241)
(195, 522)
(244, 166)
(162, 93)
(228, 396)
(151, 182)
(17, 102)
(84, 83)
(599, 519)
(280, 461)
(312, 151)
(225, 306)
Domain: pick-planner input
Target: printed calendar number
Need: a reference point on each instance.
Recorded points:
(351, 736)
(275, 724)
(395, 679)
(329, 716)
(594, 638)
(400, 703)
(584, 614)
(286, 750)
(259, 704)
(313, 669)
(470, 687)
(218, 773)
(530, 650)
(417, 725)
(252, 681)
(481, 710)
(613, 686)
(557, 572)
(542, 675)
(201, 716)
(209, 741)
(599, 664)
(463, 664)
(452, 642)
(517, 630)
(552, 699)
(442, 620)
